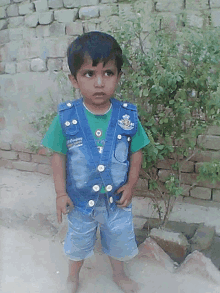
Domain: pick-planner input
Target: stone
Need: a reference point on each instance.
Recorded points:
(109, 1)
(46, 17)
(203, 237)
(194, 19)
(139, 222)
(216, 195)
(14, 22)
(88, 12)
(4, 36)
(140, 235)
(215, 18)
(25, 166)
(26, 8)
(57, 29)
(41, 159)
(74, 29)
(206, 156)
(197, 263)
(188, 230)
(153, 252)
(64, 15)
(214, 4)
(41, 5)
(185, 166)
(42, 31)
(39, 224)
(45, 169)
(169, 5)
(55, 4)
(5, 2)
(15, 34)
(3, 12)
(24, 157)
(38, 65)
(10, 68)
(5, 146)
(29, 33)
(209, 142)
(201, 192)
(213, 252)
(2, 69)
(197, 5)
(213, 130)
(54, 64)
(173, 243)
(57, 47)
(107, 10)
(3, 24)
(12, 10)
(9, 155)
(79, 3)
(32, 20)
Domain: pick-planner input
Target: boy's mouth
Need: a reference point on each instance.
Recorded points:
(99, 94)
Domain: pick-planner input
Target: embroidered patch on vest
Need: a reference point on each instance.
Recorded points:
(77, 142)
(125, 123)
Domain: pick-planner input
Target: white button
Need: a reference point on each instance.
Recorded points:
(111, 199)
(125, 104)
(74, 121)
(108, 188)
(91, 203)
(101, 168)
(69, 104)
(96, 188)
(119, 136)
(129, 138)
(67, 123)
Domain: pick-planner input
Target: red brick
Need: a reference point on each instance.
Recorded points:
(197, 263)
(25, 157)
(25, 166)
(6, 163)
(41, 159)
(5, 146)
(9, 155)
(21, 147)
(45, 169)
(2, 122)
(152, 251)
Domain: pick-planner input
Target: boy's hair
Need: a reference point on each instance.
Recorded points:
(100, 47)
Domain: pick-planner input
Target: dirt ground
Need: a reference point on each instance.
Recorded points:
(31, 253)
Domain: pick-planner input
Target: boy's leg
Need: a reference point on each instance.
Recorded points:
(73, 278)
(125, 283)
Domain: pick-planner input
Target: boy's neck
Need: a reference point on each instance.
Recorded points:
(99, 109)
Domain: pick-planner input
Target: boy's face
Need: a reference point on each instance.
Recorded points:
(96, 83)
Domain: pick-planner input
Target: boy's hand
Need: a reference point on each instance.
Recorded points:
(62, 202)
(126, 197)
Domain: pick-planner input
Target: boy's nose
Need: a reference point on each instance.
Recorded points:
(99, 81)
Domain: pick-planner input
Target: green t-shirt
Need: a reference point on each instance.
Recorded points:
(55, 140)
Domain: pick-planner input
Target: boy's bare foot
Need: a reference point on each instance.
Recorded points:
(126, 284)
(72, 284)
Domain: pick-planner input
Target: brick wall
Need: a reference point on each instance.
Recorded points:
(34, 36)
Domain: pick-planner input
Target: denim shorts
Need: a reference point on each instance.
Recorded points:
(116, 231)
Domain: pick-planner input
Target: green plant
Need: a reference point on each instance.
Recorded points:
(174, 80)
(45, 112)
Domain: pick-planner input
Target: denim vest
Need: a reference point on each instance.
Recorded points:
(86, 169)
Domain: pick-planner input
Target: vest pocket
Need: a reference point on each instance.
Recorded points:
(121, 150)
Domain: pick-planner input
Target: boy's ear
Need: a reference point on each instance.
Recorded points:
(73, 81)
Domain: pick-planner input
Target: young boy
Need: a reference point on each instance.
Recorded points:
(97, 142)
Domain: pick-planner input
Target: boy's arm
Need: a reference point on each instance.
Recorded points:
(127, 189)
(59, 177)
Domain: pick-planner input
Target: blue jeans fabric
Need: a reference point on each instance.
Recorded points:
(116, 230)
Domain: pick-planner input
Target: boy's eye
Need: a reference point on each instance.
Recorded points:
(109, 73)
(89, 74)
